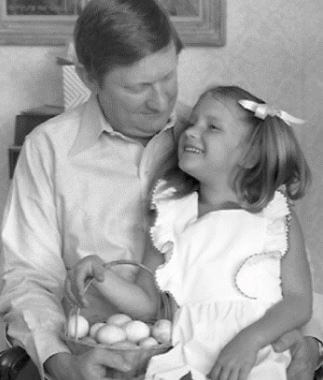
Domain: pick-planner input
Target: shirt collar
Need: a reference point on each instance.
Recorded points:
(171, 121)
(93, 124)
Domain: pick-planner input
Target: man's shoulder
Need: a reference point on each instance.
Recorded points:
(61, 127)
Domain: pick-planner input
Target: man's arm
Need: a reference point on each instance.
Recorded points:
(315, 325)
(314, 331)
(306, 357)
(304, 352)
(32, 268)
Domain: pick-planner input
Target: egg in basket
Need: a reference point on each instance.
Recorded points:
(136, 341)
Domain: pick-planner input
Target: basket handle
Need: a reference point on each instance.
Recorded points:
(164, 309)
(114, 263)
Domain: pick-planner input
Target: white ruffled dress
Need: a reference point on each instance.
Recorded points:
(223, 270)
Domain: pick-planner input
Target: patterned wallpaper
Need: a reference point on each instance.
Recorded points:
(274, 48)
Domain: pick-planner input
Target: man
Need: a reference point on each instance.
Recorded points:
(82, 181)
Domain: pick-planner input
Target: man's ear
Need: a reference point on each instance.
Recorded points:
(86, 78)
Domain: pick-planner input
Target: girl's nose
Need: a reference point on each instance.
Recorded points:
(192, 131)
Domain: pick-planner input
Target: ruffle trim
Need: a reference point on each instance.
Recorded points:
(266, 264)
(278, 215)
(161, 233)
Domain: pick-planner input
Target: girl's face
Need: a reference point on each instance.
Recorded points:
(214, 142)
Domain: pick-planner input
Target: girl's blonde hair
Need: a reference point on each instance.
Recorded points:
(273, 158)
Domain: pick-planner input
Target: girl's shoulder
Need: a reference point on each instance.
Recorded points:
(278, 207)
(171, 213)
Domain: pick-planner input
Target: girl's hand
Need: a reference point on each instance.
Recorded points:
(77, 278)
(236, 359)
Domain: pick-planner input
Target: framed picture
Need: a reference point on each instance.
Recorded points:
(50, 22)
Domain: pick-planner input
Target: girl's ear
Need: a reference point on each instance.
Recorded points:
(86, 78)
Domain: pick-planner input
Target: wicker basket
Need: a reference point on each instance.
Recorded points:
(137, 356)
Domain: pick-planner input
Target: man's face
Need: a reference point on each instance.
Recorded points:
(138, 99)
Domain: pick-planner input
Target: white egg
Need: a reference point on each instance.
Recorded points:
(118, 319)
(95, 327)
(148, 342)
(110, 334)
(136, 330)
(78, 326)
(162, 330)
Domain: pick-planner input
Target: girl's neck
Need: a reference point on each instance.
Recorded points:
(212, 199)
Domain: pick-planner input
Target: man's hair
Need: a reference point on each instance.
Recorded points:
(111, 33)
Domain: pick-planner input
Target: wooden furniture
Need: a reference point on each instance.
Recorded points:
(15, 365)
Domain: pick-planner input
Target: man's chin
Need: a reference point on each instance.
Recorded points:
(152, 124)
(159, 122)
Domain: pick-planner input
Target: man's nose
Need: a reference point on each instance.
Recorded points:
(159, 98)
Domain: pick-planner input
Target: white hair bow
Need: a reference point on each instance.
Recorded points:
(262, 110)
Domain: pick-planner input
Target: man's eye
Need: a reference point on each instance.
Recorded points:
(133, 89)
(169, 76)
(213, 127)
(138, 88)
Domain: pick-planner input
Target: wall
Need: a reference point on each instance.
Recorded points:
(274, 48)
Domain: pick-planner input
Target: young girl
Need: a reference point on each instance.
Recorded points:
(228, 246)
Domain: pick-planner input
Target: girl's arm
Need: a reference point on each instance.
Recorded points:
(239, 355)
(295, 308)
(139, 299)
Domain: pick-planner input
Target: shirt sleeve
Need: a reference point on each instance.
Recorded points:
(33, 272)
(315, 326)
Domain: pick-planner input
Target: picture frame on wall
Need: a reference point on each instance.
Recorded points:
(50, 22)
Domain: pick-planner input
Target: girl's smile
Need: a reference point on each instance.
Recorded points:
(188, 148)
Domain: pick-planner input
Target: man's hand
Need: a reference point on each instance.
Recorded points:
(304, 352)
(91, 365)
